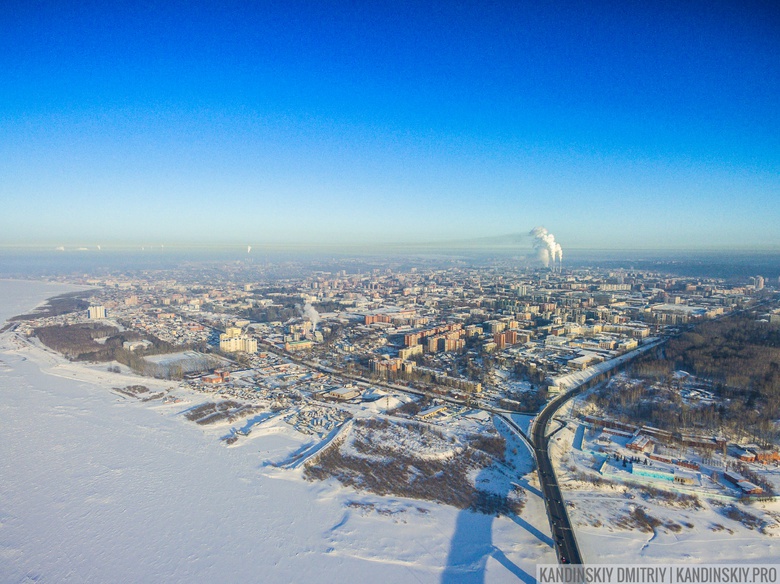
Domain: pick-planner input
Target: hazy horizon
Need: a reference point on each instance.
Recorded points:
(520, 243)
(524, 247)
(280, 261)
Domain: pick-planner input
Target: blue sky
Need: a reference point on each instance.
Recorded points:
(614, 124)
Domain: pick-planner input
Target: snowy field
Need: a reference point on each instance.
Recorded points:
(96, 486)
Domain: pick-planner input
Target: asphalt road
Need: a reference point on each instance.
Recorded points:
(563, 535)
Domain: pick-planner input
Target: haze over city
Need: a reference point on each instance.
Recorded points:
(629, 126)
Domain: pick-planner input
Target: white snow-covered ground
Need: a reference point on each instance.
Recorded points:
(97, 487)
(22, 296)
(606, 533)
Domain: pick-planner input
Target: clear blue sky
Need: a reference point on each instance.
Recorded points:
(614, 124)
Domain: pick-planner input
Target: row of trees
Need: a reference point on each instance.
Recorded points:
(78, 342)
(63, 304)
(739, 355)
(270, 313)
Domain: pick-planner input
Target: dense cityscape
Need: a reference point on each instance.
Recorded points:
(479, 355)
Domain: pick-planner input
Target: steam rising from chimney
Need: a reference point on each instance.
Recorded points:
(308, 311)
(547, 249)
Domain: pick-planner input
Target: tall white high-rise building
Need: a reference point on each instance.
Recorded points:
(233, 341)
(94, 312)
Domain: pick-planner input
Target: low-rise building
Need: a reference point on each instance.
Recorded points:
(652, 473)
(344, 393)
(640, 443)
(431, 412)
(302, 345)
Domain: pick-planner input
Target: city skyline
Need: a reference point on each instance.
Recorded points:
(628, 127)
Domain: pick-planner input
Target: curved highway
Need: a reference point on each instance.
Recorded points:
(563, 534)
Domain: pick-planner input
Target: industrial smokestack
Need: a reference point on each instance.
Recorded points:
(547, 249)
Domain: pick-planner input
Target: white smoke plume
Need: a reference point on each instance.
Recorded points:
(547, 249)
(248, 249)
(308, 311)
